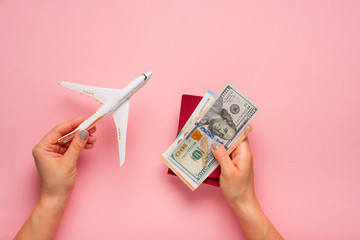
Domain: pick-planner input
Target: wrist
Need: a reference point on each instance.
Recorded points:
(245, 206)
(52, 203)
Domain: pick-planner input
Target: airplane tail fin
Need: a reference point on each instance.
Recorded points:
(67, 137)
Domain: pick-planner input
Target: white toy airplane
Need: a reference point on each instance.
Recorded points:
(115, 101)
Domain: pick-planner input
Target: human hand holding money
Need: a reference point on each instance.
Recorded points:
(237, 185)
(237, 175)
(225, 120)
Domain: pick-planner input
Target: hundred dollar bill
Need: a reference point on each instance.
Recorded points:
(208, 98)
(226, 121)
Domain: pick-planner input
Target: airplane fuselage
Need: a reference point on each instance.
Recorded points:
(109, 107)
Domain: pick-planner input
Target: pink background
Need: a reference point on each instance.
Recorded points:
(299, 61)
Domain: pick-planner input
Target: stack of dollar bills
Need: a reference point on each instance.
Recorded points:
(224, 118)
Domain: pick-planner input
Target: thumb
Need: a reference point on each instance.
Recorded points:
(222, 157)
(77, 145)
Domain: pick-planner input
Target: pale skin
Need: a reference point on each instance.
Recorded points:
(56, 165)
(237, 185)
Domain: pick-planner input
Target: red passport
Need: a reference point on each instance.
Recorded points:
(188, 105)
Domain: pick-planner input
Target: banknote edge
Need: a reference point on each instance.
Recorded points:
(229, 151)
(242, 94)
(186, 131)
(180, 137)
(178, 174)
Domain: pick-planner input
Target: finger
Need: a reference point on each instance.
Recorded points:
(68, 126)
(62, 129)
(77, 145)
(62, 149)
(241, 156)
(92, 130)
(89, 146)
(222, 157)
(91, 139)
(243, 147)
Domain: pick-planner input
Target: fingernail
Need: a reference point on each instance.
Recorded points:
(215, 145)
(83, 135)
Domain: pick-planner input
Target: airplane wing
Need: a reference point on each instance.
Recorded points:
(100, 94)
(121, 120)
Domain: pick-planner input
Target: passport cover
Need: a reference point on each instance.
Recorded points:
(188, 105)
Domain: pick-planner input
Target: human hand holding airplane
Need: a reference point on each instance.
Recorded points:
(115, 102)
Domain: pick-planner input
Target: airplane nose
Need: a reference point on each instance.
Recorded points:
(148, 75)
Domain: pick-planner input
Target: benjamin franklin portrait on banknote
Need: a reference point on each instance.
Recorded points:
(225, 121)
(219, 121)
